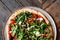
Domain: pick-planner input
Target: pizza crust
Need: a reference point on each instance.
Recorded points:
(23, 10)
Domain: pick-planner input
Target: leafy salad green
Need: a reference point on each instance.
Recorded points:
(29, 28)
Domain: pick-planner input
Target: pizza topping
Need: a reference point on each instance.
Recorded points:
(29, 26)
(13, 21)
(40, 19)
(9, 28)
(47, 31)
(35, 15)
(14, 29)
(15, 38)
(20, 23)
(20, 17)
(37, 33)
(30, 20)
(10, 32)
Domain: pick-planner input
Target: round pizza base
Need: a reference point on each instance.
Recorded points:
(23, 10)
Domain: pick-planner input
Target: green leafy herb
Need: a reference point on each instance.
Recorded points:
(20, 17)
(47, 31)
(40, 38)
(20, 35)
(13, 29)
(43, 25)
(27, 30)
(28, 14)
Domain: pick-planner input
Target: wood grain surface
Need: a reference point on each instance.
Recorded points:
(9, 6)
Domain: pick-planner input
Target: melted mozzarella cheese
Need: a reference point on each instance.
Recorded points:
(20, 23)
(28, 28)
(37, 33)
(40, 19)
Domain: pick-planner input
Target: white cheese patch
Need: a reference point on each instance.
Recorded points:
(37, 33)
(28, 28)
(10, 31)
(20, 23)
(40, 19)
(32, 26)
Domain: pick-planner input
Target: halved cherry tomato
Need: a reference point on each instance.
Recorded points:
(13, 21)
(9, 31)
(15, 38)
(9, 28)
(36, 15)
(30, 19)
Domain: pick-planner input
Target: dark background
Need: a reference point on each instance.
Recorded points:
(9, 6)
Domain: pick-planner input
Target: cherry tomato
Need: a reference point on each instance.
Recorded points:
(9, 31)
(15, 38)
(36, 15)
(9, 28)
(12, 21)
(30, 19)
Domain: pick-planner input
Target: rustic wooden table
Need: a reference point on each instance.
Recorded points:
(8, 6)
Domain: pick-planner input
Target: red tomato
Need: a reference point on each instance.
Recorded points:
(12, 21)
(15, 38)
(30, 19)
(36, 15)
(25, 26)
(9, 28)
(9, 31)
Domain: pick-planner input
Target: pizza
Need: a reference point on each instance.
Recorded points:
(28, 24)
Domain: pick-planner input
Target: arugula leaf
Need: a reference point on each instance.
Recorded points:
(43, 38)
(13, 29)
(20, 17)
(28, 14)
(47, 31)
(47, 38)
(37, 22)
(43, 25)
(27, 24)
(19, 33)
(40, 38)
(41, 30)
